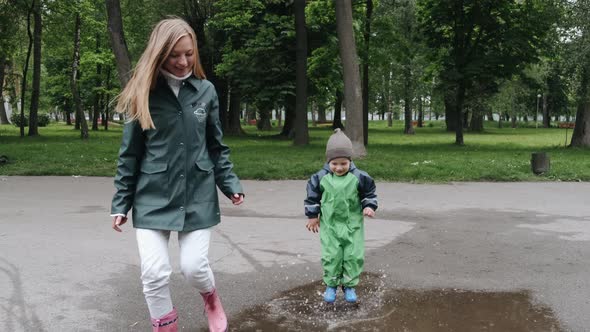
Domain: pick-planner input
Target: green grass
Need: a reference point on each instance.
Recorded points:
(429, 156)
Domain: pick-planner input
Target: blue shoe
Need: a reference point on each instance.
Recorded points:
(330, 294)
(349, 295)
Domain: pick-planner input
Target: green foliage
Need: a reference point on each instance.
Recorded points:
(482, 40)
(428, 156)
(15, 119)
(259, 55)
(43, 119)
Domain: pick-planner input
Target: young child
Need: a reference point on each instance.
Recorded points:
(338, 196)
(171, 160)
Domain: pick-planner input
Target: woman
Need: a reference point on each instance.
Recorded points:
(171, 160)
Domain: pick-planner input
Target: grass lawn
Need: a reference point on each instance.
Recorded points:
(428, 156)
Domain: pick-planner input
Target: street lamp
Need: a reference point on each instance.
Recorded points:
(537, 116)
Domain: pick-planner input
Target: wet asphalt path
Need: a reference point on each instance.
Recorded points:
(63, 269)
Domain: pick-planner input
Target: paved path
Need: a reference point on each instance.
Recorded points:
(63, 269)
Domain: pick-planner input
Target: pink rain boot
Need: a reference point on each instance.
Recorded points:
(215, 314)
(168, 323)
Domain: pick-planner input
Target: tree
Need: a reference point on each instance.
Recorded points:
(74, 80)
(118, 43)
(8, 29)
(259, 54)
(324, 68)
(352, 82)
(25, 70)
(36, 90)
(365, 88)
(301, 130)
(480, 41)
(579, 34)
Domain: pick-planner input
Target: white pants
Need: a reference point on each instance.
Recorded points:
(156, 269)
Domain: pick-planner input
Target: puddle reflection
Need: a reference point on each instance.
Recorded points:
(381, 309)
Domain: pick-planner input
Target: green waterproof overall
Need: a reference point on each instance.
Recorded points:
(338, 201)
(342, 234)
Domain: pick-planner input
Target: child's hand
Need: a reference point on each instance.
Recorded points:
(313, 225)
(368, 212)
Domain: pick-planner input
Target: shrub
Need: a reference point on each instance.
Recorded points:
(15, 119)
(43, 120)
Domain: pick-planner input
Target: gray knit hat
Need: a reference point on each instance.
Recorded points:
(339, 146)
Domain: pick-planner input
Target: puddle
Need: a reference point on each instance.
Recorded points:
(382, 309)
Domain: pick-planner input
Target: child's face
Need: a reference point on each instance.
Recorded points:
(182, 57)
(339, 166)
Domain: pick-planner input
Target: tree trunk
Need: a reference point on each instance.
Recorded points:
(314, 122)
(107, 100)
(263, 122)
(420, 113)
(476, 124)
(546, 115)
(36, 88)
(222, 99)
(458, 113)
(367, 37)
(450, 117)
(233, 118)
(118, 44)
(337, 120)
(321, 113)
(352, 82)
(581, 135)
(288, 127)
(500, 115)
(23, 89)
(301, 129)
(68, 111)
(97, 84)
(513, 121)
(80, 118)
(3, 117)
(408, 127)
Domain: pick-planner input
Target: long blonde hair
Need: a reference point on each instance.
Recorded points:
(135, 96)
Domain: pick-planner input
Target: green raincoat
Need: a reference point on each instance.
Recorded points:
(339, 201)
(169, 174)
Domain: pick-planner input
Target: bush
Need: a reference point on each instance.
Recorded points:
(15, 119)
(43, 120)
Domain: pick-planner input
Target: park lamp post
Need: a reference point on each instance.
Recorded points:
(537, 117)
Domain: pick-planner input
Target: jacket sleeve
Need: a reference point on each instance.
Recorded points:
(225, 178)
(314, 197)
(128, 164)
(367, 190)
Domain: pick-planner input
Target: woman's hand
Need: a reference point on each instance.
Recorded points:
(118, 221)
(237, 199)
(313, 225)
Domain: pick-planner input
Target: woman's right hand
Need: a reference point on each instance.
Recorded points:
(118, 221)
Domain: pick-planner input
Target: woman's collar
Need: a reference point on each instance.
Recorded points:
(169, 75)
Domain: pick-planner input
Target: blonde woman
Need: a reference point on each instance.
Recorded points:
(171, 160)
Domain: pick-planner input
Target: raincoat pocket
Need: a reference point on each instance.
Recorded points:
(152, 184)
(205, 165)
(205, 181)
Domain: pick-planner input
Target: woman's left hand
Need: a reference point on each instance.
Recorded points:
(237, 199)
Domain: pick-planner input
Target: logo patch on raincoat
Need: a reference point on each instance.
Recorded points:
(200, 112)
